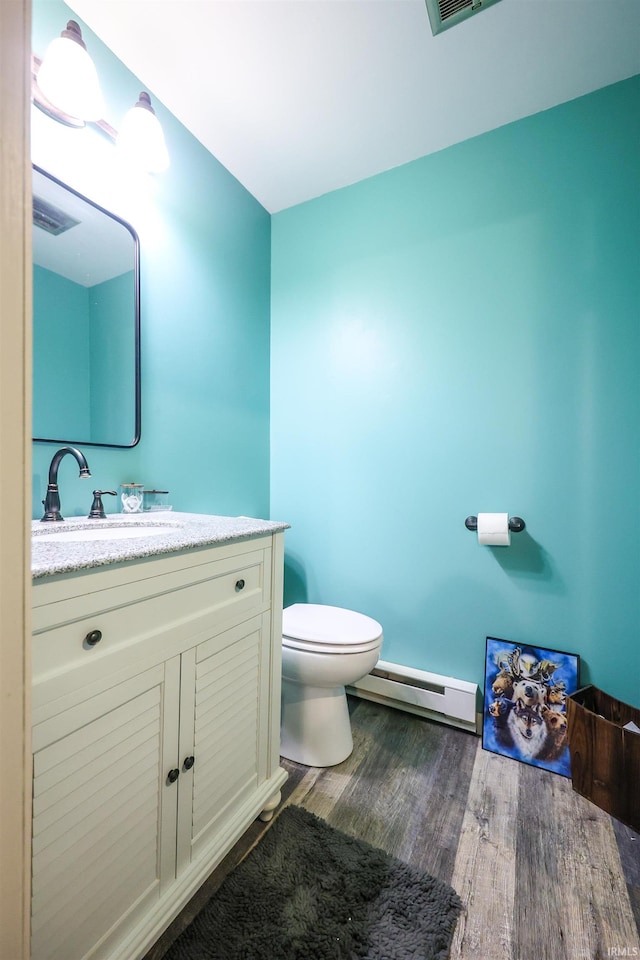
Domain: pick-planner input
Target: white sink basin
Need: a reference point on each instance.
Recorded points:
(105, 533)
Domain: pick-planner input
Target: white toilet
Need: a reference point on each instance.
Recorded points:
(323, 649)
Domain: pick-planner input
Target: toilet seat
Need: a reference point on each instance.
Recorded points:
(319, 628)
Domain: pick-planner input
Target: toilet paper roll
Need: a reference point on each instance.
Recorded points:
(493, 529)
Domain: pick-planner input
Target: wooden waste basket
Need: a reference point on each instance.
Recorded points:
(605, 758)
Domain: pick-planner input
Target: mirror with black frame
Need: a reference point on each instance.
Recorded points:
(86, 320)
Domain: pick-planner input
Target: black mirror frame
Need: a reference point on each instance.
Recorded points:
(138, 392)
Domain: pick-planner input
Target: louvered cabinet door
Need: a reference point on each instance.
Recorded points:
(104, 814)
(223, 727)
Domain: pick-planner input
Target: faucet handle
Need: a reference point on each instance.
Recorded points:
(97, 508)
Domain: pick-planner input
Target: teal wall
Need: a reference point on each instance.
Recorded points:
(205, 287)
(61, 338)
(112, 359)
(458, 335)
(86, 330)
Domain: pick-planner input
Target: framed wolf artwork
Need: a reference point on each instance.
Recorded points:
(525, 691)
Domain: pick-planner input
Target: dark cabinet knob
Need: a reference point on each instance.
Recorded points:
(189, 762)
(239, 584)
(173, 775)
(93, 637)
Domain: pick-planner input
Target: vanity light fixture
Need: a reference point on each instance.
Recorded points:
(65, 86)
(68, 78)
(141, 137)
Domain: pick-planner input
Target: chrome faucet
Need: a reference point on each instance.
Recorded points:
(52, 500)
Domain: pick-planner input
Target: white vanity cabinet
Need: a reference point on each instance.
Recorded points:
(156, 711)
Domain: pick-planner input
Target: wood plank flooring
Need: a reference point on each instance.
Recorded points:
(543, 873)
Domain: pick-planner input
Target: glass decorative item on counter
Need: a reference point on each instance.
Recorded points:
(132, 497)
(155, 500)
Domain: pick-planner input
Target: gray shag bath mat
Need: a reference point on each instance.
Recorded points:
(310, 892)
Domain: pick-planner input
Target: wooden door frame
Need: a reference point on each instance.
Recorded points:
(15, 477)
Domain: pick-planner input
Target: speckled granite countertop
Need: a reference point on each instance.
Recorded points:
(171, 531)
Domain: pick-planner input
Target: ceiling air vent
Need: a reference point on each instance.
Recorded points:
(446, 13)
(50, 218)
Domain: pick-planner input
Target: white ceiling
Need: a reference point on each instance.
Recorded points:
(300, 97)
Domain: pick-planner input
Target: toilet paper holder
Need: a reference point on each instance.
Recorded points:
(516, 524)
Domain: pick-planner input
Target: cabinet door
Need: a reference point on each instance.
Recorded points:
(223, 720)
(104, 814)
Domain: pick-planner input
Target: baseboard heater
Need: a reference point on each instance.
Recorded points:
(425, 694)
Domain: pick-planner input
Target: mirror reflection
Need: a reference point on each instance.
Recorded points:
(86, 323)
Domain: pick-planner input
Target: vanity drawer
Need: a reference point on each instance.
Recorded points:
(165, 607)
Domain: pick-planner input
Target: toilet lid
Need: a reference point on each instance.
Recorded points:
(316, 623)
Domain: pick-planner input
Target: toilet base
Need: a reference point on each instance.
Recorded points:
(316, 727)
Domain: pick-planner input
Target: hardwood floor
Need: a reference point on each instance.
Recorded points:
(543, 873)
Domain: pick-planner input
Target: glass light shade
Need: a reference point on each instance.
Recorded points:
(68, 79)
(141, 138)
